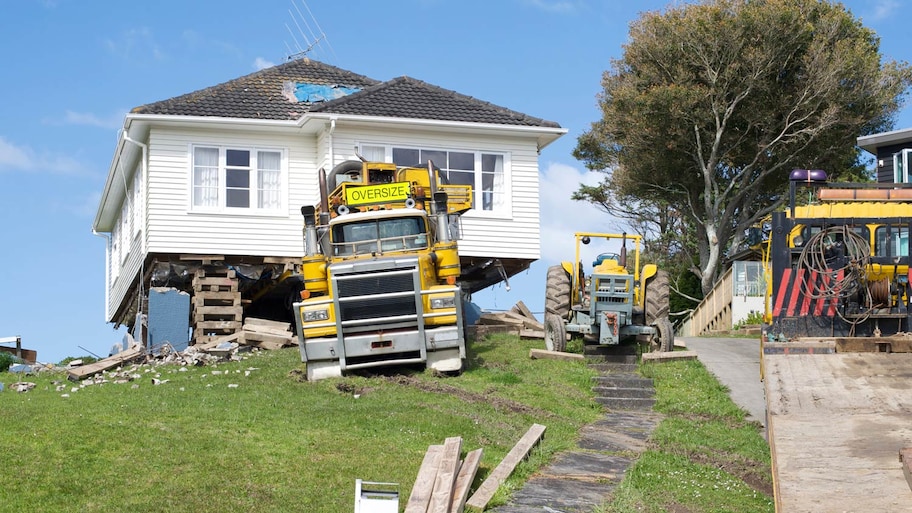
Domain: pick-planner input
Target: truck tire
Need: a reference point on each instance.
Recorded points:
(555, 333)
(557, 292)
(657, 292)
(663, 341)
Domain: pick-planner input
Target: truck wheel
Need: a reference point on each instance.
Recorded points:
(555, 332)
(663, 341)
(557, 292)
(657, 292)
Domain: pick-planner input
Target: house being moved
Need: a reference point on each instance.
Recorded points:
(209, 185)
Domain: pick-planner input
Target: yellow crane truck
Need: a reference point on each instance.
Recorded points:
(837, 347)
(380, 270)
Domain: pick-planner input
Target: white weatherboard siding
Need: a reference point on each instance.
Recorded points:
(174, 228)
(126, 265)
(513, 234)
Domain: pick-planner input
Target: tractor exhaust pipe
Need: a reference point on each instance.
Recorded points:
(622, 257)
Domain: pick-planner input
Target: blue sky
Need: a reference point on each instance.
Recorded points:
(75, 68)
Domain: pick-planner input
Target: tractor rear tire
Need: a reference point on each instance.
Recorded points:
(557, 292)
(663, 341)
(555, 333)
(657, 292)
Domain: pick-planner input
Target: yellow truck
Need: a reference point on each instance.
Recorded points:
(380, 271)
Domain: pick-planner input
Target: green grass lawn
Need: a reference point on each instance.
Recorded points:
(254, 436)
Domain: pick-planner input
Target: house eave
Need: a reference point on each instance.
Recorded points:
(870, 143)
(543, 135)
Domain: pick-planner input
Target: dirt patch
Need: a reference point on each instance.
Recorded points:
(755, 475)
(498, 403)
(676, 507)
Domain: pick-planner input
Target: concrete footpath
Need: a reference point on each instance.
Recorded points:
(735, 362)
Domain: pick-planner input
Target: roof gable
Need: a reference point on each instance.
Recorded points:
(290, 90)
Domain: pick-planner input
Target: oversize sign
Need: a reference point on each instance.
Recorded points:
(387, 192)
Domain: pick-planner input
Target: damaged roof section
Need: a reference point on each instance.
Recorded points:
(315, 93)
(291, 90)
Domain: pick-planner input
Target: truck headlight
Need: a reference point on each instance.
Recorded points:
(316, 315)
(443, 302)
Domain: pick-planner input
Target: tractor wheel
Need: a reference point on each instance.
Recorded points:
(555, 332)
(657, 291)
(557, 292)
(663, 341)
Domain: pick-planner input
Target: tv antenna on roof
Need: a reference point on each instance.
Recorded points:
(311, 38)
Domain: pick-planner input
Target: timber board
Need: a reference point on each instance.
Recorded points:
(836, 422)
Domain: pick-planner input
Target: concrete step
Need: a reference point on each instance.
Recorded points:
(612, 358)
(622, 380)
(614, 367)
(626, 403)
(623, 392)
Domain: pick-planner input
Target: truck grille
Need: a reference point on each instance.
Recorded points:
(377, 295)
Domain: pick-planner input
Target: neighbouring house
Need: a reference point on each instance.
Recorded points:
(892, 154)
(208, 185)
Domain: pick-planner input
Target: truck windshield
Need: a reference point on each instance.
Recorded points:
(379, 235)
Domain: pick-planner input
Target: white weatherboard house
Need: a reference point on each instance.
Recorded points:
(218, 176)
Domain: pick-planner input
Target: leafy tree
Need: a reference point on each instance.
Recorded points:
(712, 104)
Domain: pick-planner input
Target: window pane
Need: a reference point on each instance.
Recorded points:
(405, 157)
(269, 179)
(464, 161)
(238, 158)
(462, 178)
(205, 177)
(373, 153)
(438, 157)
(237, 178)
(239, 198)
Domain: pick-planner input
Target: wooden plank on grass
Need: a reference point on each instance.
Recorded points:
(424, 483)
(524, 310)
(541, 354)
(277, 325)
(464, 480)
(486, 491)
(84, 371)
(446, 476)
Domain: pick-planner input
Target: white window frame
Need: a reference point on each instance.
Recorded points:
(252, 186)
(901, 166)
(502, 211)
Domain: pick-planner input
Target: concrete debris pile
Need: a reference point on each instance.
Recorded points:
(444, 480)
(256, 334)
(519, 321)
(22, 386)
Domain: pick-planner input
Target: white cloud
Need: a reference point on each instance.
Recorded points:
(70, 117)
(561, 216)
(14, 157)
(559, 6)
(261, 63)
(135, 42)
(884, 9)
(23, 158)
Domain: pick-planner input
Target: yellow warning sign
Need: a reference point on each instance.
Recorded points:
(382, 193)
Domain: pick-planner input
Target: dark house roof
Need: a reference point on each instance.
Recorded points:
(276, 93)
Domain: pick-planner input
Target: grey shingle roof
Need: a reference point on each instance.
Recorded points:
(260, 95)
(406, 97)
